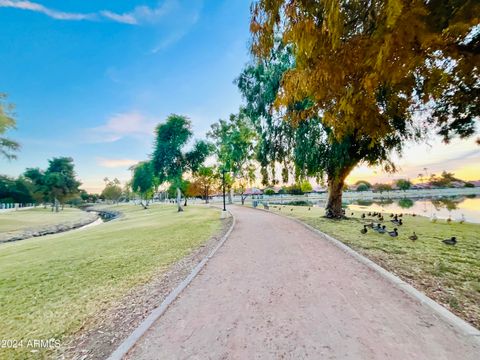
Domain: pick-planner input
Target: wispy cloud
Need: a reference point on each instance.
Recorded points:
(119, 126)
(120, 18)
(116, 163)
(55, 14)
(140, 15)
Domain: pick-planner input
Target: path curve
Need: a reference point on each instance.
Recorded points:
(276, 290)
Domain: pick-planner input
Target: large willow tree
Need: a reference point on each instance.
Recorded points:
(375, 73)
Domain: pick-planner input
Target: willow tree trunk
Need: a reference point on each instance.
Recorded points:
(334, 209)
(179, 200)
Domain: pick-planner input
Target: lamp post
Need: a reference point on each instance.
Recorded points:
(223, 185)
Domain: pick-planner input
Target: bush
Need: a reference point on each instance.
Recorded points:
(269, 192)
(363, 187)
(294, 190)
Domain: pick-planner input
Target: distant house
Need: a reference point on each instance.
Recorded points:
(457, 184)
(319, 189)
(253, 191)
(421, 186)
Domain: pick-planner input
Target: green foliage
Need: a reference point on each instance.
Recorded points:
(364, 182)
(311, 146)
(403, 184)
(168, 160)
(370, 66)
(112, 191)
(367, 69)
(15, 190)
(7, 147)
(295, 189)
(57, 183)
(235, 142)
(382, 187)
(306, 186)
(444, 180)
(405, 203)
(363, 187)
(144, 180)
(269, 192)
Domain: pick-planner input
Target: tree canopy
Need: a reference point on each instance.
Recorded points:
(57, 183)
(144, 181)
(368, 65)
(169, 159)
(364, 76)
(235, 143)
(112, 190)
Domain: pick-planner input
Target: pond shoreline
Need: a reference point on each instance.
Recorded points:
(95, 215)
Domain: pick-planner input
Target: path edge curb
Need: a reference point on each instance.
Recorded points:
(156, 313)
(464, 327)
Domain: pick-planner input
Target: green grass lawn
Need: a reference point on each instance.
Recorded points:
(50, 286)
(15, 221)
(448, 274)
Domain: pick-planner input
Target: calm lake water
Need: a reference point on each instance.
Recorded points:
(442, 207)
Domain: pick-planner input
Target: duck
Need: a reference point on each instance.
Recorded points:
(381, 218)
(352, 214)
(382, 230)
(364, 230)
(449, 220)
(369, 214)
(391, 215)
(414, 214)
(308, 209)
(363, 216)
(413, 237)
(401, 215)
(370, 225)
(393, 233)
(398, 222)
(291, 209)
(451, 241)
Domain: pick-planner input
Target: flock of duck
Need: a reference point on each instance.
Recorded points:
(397, 220)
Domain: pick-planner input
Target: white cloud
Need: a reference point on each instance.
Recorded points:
(59, 15)
(140, 15)
(116, 163)
(119, 126)
(121, 18)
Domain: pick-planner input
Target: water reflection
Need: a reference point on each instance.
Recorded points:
(441, 207)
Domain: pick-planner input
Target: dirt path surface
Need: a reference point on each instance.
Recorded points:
(275, 290)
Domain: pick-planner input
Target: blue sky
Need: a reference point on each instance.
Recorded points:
(90, 79)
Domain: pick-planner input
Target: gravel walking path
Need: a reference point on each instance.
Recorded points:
(276, 290)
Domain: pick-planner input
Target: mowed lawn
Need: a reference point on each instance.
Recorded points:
(50, 286)
(15, 221)
(448, 274)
